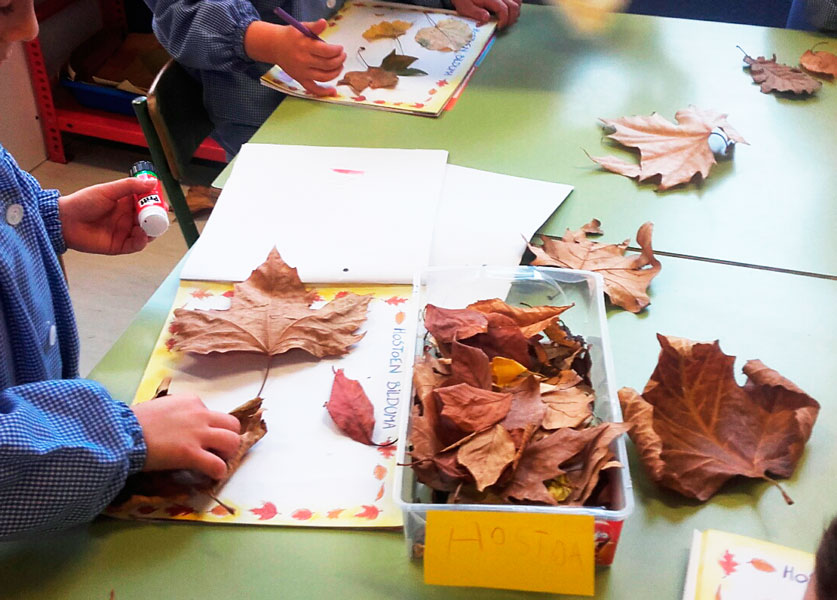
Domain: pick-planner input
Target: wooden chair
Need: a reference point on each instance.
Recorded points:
(174, 122)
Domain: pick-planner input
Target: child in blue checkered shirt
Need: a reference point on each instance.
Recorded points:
(66, 446)
(229, 44)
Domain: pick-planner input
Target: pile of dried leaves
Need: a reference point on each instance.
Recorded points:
(502, 410)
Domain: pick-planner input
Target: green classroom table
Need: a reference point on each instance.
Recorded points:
(532, 109)
(528, 111)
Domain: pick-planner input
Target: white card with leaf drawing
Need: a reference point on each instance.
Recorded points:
(399, 57)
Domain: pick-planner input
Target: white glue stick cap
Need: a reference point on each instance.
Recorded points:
(154, 220)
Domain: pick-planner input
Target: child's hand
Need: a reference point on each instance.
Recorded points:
(506, 11)
(181, 433)
(101, 218)
(304, 59)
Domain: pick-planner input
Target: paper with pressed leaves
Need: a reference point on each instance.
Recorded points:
(443, 46)
(305, 471)
(366, 214)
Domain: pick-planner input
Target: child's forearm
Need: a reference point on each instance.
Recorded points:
(66, 449)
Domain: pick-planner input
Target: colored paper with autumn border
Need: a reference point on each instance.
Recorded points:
(305, 471)
(424, 95)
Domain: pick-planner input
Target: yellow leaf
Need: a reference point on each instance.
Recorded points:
(386, 29)
(505, 370)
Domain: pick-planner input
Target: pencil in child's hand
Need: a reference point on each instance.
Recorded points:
(296, 24)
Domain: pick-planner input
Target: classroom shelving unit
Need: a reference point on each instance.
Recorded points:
(59, 111)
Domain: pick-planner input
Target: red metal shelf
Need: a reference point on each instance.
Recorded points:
(60, 112)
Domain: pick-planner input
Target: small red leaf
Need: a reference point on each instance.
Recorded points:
(395, 300)
(387, 451)
(379, 472)
(727, 563)
(380, 492)
(341, 294)
(302, 514)
(265, 512)
(400, 316)
(200, 294)
(350, 409)
(220, 511)
(228, 294)
(335, 514)
(368, 512)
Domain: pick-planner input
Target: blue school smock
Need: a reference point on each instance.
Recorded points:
(66, 446)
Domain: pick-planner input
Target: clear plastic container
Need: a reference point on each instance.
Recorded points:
(457, 287)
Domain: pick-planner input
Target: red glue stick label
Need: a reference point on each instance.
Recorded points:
(152, 210)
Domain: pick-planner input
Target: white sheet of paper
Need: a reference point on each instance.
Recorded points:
(336, 214)
(486, 218)
(334, 228)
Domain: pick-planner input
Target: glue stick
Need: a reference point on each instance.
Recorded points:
(152, 212)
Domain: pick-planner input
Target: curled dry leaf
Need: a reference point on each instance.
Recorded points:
(820, 63)
(626, 276)
(350, 409)
(269, 314)
(695, 427)
(674, 152)
(776, 77)
(183, 483)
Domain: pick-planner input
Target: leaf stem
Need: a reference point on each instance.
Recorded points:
(787, 498)
(264, 380)
(743, 50)
(229, 509)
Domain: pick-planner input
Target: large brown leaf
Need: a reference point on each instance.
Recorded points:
(702, 428)
(675, 153)
(776, 77)
(270, 314)
(626, 276)
(568, 402)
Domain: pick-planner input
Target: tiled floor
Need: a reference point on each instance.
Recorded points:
(108, 291)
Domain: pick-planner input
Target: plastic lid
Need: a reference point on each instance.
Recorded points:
(154, 220)
(140, 166)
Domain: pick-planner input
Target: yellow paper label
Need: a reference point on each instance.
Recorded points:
(519, 551)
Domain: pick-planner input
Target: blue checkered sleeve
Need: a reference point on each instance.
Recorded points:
(65, 450)
(66, 446)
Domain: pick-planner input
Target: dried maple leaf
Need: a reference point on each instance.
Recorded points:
(448, 35)
(373, 77)
(386, 29)
(531, 320)
(448, 324)
(776, 77)
(540, 462)
(626, 277)
(269, 314)
(350, 409)
(820, 63)
(473, 409)
(703, 428)
(676, 153)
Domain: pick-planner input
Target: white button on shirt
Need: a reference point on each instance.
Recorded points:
(14, 214)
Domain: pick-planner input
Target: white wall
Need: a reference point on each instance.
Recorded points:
(20, 129)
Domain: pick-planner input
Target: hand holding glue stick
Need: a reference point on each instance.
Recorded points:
(152, 211)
